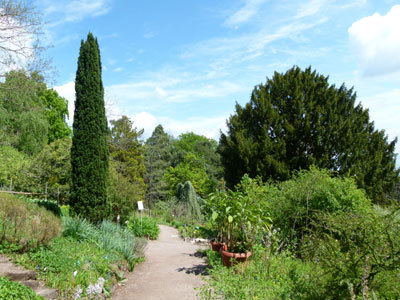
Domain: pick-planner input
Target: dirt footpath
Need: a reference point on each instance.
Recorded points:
(171, 271)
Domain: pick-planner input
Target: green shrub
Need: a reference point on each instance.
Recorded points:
(359, 254)
(10, 290)
(297, 201)
(50, 205)
(278, 276)
(25, 225)
(146, 228)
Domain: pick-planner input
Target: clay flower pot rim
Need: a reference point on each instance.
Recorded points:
(237, 255)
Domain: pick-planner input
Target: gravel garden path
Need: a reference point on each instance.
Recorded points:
(172, 270)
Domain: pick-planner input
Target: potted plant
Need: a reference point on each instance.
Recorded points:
(240, 216)
(215, 206)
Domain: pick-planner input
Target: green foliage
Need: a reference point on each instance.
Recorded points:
(187, 195)
(22, 113)
(296, 120)
(241, 217)
(204, 149)
(263, 277)
(11, 163)
(56, 112)
(108, 236)
(64, 257)
(297, 201)
(24, 225)
(49, 205)
(127, 168)
(158, 157)
(10, 290)
(89, 152)
(52, 165)
(359, 254)
(146, 228)
(191, 169)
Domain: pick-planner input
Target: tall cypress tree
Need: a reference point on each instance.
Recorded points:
(89, 152)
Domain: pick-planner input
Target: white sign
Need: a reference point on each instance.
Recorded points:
(140, 205)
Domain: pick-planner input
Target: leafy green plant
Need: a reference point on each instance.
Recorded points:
(359, 253)
(69, 265)
(24, 226)
(147, 227)
(297, 201)
(240, 216)
(10, 290)
(280, 276)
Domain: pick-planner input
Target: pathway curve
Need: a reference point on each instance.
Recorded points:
(171, 271)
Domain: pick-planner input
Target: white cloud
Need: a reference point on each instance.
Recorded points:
(118, 69)
(208, 126)
(376, 39)
(244, 14)
(76, 10)
(67, 91)
(384, 110)
(310, 8)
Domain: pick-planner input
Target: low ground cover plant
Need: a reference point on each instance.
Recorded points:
(143, 227)
(86, 260)
(10, 290)
(24, 225)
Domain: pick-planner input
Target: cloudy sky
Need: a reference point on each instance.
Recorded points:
(185, 63)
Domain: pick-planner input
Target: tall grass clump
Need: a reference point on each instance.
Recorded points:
(78, 228)
(24, 225)
(113, 237)
(107, 235)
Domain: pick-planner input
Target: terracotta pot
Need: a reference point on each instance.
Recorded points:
(215, 246)
(229, 258)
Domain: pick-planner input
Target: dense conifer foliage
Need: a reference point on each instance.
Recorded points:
(157, 159)
(297, 119)
(89, 152)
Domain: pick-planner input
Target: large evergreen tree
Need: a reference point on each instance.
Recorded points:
(159, 153)
(89, 152)
(296, 120)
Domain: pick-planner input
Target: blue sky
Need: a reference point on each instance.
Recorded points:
(184, 64)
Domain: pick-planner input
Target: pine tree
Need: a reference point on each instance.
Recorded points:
(158, 158)
(89, 152)
(297, 120)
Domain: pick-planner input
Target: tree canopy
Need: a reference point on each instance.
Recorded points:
(127, 167)
(157, 159)
(296, 120)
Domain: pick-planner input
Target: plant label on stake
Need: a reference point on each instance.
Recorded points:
(141, 208)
